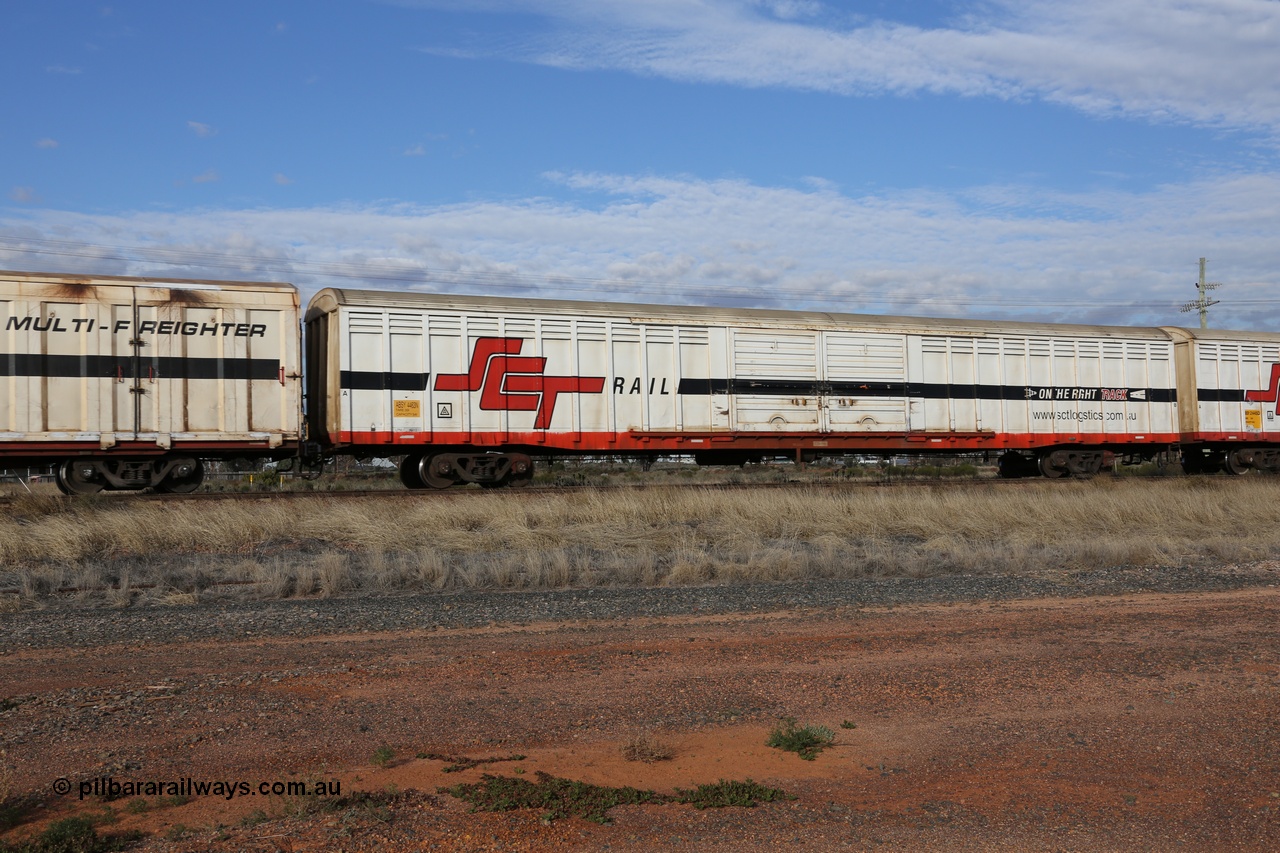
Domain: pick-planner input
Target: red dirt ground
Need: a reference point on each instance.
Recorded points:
(1143, 722)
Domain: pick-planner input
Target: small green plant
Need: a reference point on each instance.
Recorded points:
(382, 756)
(723, 794)
(563, 797)
(848, 724)
(556, 797)
(74, 835)
(456, 764)
(254, 818)
(106, 817)
(177, 832)
(376, 804)
(14, 809)
(805, 741)
(138, 805)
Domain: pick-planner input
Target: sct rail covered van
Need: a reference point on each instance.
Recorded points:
(469, 389)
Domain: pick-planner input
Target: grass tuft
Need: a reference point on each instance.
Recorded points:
(805, 741)
(647, 749)
(382, 756)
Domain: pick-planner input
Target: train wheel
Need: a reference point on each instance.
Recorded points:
(185, 478)
(1084, 465)
(436, 472)
(409, 472)
(1233, 464)
(79, 477)
(1054, 465)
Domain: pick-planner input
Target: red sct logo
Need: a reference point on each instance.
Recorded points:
(510, 382)
(1271, 394)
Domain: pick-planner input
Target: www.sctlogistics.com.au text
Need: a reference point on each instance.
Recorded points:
(111, 788)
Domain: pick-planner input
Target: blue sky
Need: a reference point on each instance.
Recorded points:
(1032, 159)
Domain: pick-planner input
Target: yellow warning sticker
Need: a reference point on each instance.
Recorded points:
(406, 408)
(1253, 418)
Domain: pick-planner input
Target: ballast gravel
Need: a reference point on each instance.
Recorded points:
(66, 625)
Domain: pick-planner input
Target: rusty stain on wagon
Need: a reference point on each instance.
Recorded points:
(128, 383)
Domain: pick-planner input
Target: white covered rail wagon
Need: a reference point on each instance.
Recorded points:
(470, 388)
(125, 383)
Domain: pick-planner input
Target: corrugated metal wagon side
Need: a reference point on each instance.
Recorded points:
(1230, 385)
(126, 383)
(470, 389)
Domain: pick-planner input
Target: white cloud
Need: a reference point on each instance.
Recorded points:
(46, 143)
(208, 177)
(23, 195)
(1000, 251)
(1212, 62)
(201, 129)
(282, 179)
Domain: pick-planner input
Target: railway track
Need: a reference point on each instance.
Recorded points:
(465, 493)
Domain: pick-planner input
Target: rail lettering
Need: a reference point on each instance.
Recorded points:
(1107, 395)
(657, 387)
(188, 328)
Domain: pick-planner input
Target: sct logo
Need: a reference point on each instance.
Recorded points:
(510, 382)
(1271, 394)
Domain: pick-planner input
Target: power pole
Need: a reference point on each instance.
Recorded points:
(1203, 301)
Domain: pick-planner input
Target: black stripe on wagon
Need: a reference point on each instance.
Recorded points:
(925, 390)
(122, 367)
(1042, 393)
(1219, 395)
(368, 380)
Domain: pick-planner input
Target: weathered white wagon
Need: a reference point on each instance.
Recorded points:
(126, 383)
(471, 388)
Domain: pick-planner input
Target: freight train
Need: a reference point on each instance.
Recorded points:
(132, 383)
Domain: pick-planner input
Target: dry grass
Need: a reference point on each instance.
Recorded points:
(117, 552)
(648, 749)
